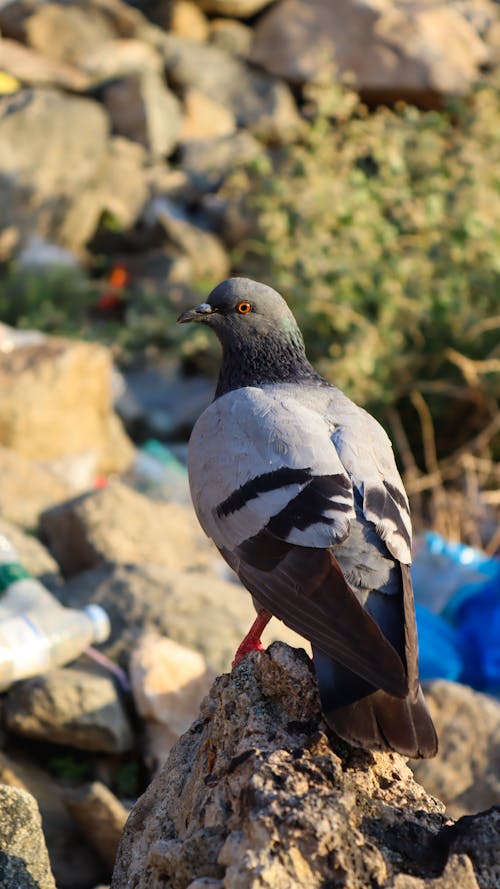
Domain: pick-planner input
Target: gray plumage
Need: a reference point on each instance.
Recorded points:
(298, 488)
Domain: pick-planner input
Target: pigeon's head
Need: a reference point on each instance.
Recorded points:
(244, 309)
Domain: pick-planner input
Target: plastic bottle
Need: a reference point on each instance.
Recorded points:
(36, 631)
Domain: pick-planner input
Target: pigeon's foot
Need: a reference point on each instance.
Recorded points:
(252, 642)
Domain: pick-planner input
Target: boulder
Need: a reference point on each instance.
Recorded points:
(256, 793)
(24, 861)
(100, 816)
(243, 9)
(72, 860)
(32, 68)
(259, 102)
(54, 156)
(71, 706)
(193, 608)
(143, 109)
(32, 554)
(208, 162)
(231, 36)
(117, 524)
(126, 189)
(418, 52)
(168, 682)
(27, 488)
(204, 118)
(64, 32)
(65, 389)
(465, 774)
(187, 20)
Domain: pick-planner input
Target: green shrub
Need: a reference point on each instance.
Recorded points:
(382, 230)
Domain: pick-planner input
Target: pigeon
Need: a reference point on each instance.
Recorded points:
(298, 488)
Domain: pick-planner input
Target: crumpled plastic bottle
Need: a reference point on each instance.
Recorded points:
(36, 631)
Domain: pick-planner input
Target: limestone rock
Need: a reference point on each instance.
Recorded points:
(65, 388)
(32, 554)
(72, 860)
(231, 36)
(71, 706)
(100, 816)
(143, 109)
(32, 68)
(54, 154)
(27, 488)
(204, 118)
(126, 189)
(465, 775)
(236, 8)
(168, 682)
(64, 31)
(117, 524)
(256, 794)
(259, 102)
(418, 52)
(187, 20)
(23, 855)
(193, 608)
(206, 256)
(118, 57)
(209, 162)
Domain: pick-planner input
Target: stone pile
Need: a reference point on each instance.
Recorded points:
(120, 122)
(84, 740)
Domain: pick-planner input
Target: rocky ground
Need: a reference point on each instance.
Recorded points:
(255, 793)
(119, 123)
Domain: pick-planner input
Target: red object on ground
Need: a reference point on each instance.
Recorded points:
(112, 298)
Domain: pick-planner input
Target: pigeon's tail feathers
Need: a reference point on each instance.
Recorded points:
(372, 718)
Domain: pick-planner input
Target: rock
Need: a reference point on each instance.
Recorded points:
(209, 162)
(256, 793)
(65, 388)
(478, 838)
(168, 682)
(193, 608)
(64, 31)
(100, 816)
(207, 257)
(204, 118)
(35, 558)
(54, 155)
(160, 401)
(118, 58)
(27, 488)
(73, 862)
(243, 9)
(117, 524)
(32, 68)
(71, 706)
(231, 36)
(188, 21)
(259, 102)
(416, 52)
(143, 109)
(465, 775)
(127, 189)
(24, 861)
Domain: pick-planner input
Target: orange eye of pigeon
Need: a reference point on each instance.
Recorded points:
(244, 308)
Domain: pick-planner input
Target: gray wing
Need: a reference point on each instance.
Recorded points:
(270, 489)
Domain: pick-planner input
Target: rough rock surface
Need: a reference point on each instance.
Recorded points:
(413, 51)
(191, 607)
(65, 389)
(100, 816)
(27, 488)
(256, 795)
(32, 554)
(465, 774)
(24, 861)
(117, 524)
(75, 707)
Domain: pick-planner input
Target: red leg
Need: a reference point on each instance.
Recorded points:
(252, 642)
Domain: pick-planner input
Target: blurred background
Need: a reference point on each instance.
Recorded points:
(346, 153)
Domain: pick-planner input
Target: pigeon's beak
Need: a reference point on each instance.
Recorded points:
(199, 313)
